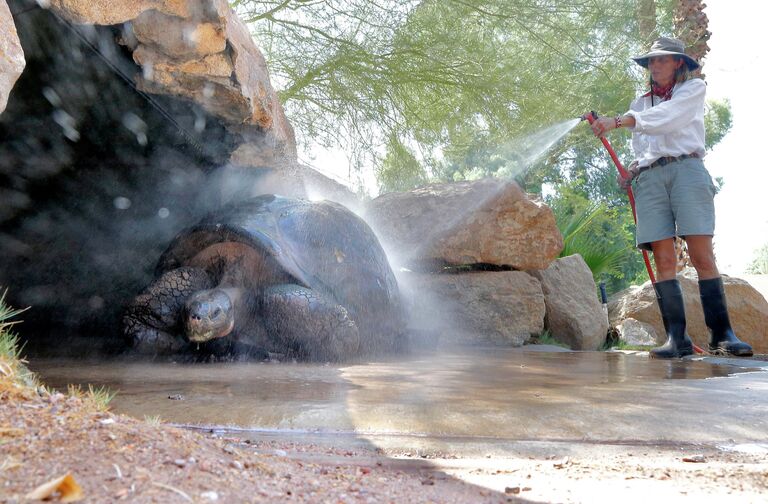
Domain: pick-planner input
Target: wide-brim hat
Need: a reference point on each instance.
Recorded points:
(667, 46)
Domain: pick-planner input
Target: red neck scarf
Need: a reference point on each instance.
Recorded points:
(663, 92)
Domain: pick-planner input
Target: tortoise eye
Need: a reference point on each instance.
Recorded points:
(216, 312)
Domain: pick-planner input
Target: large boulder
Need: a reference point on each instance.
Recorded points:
(499, 307)
(489, 221)
(759, 282)
(199, 50)
(747, 307)
(574, 314)
(11, 55)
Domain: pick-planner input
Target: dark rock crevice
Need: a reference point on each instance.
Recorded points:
(95, 179)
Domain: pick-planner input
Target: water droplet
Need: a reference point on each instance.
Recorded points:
(163, 213)
(137, 126)
(67, 123)
(52, 97)
(148, 70)
(122, 203)
(199, 124)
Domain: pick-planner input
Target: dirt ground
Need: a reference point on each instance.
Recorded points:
(115, 458)
(46, 435)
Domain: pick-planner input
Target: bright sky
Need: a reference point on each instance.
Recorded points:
(731, 70)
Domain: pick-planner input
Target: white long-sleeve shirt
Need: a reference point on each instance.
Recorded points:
(669, 128)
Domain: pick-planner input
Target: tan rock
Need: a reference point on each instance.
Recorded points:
(214, 65)
(484, 221)
(252, 75)
(158, 68)
(274, 147)
(178, 37)
(759, 282)
(748, 310)
(109, 12)
(251, 154)
(634, 332)
(217, 65)
(500, 307)
(574, 314)
(11, 54)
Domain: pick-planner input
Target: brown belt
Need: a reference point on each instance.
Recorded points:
(665, 161)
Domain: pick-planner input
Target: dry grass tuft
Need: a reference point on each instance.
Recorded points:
(97, 397)
(15, 379)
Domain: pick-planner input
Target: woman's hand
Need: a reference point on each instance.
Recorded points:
(632, 170)
(603, 125)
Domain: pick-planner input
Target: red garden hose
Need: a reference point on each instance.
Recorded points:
(590, 117)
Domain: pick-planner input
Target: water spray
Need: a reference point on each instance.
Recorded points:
(591, 117)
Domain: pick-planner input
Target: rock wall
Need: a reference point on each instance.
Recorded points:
(458, 246)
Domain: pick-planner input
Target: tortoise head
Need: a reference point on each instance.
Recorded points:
(209, 314)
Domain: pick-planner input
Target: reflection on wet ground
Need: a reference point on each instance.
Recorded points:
(492, 393)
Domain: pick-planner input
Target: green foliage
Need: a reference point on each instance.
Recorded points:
(400, 170)
(546, 338)
(759, 264)
(438, 74)
(579, 237)
(718, 121)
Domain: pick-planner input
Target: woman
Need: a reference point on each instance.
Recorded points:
(674, 193)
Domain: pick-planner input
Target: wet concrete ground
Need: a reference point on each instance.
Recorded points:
(526, 425)
(468, 402)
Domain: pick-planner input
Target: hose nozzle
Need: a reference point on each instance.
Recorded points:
(589, 117)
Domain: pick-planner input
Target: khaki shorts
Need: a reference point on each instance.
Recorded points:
(676, 199)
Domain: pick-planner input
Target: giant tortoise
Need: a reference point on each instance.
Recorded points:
(274, 275)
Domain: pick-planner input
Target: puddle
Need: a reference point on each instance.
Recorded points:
(490, 393)
(747, 448)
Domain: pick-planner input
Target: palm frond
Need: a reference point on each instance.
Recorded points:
(602, 256)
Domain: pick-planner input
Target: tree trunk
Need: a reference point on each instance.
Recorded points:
(691, 26)
(681, 252)
(646, 20)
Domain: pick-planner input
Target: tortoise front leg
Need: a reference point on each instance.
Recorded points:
(304, 321)
(149, 340)
(152, 318)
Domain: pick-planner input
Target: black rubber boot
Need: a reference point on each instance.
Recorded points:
(722, 339)
(670, 298)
